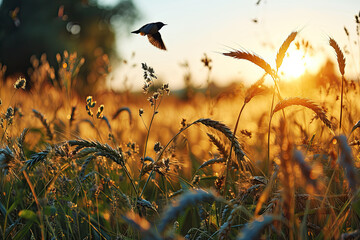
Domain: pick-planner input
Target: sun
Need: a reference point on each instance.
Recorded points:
(295, 64)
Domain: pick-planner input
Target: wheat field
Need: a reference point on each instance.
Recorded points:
(246, 162)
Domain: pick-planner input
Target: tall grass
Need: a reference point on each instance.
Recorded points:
(171, 171)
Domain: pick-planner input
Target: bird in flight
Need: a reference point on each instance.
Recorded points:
(153, 34)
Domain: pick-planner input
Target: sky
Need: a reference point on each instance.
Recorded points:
(196, 27)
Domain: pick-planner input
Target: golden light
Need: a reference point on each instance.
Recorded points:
(295, 64)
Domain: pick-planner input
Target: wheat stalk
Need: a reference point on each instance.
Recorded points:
(341, 63)
(284, 47)
(219, 145)
(346, 161)
(187, 199)
(20, 144)
(339, 55)
(228, 134)
(239, 54)
(226, 227)
(256, 89)
(305, 103)
(44, 123)
(101, 149)
(83, 167)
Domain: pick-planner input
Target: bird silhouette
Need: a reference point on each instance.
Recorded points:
(152, 32)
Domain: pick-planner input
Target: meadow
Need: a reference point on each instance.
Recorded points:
(244, 162)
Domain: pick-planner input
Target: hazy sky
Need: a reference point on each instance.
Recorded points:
(196, 27)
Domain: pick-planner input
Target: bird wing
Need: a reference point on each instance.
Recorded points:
(155, 39)
(143, 30)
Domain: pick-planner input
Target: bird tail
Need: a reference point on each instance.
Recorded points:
(137, 31)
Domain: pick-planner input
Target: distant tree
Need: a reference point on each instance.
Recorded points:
(34, 27)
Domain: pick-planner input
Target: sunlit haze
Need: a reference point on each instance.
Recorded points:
(213, 27)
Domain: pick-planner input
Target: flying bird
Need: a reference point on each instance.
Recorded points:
(152, 32)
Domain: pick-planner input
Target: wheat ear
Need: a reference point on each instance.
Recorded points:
(187, 199)
(239, 54)
(339, 55)
(44, 123)
(341, 63)
(253, 229)
(305, 103)
(284, 47)
(346, 161)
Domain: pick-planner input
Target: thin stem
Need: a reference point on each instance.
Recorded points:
(147, 140)
(147, 180)
(341, 101)
(148, 132)
(37, 204)
(96, 128)
(161, 153)
(130, 178)
(7, 207)
(268, 147)
(232, 145)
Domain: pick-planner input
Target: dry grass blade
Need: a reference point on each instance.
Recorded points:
(107, 122)
(306, 103)
(44, 123)
(355, 126)
(253, 229)
(122, 109)
(346, 161)
(239, 54)
(185, 200)
(284, 47)
(339, 55)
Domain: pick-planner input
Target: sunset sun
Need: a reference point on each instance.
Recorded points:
(295, 64)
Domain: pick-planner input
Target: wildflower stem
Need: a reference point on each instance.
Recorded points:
(161, 153)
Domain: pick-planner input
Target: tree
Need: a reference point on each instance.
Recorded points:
(34, 27)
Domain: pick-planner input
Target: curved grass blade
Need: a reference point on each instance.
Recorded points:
(122, 109)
